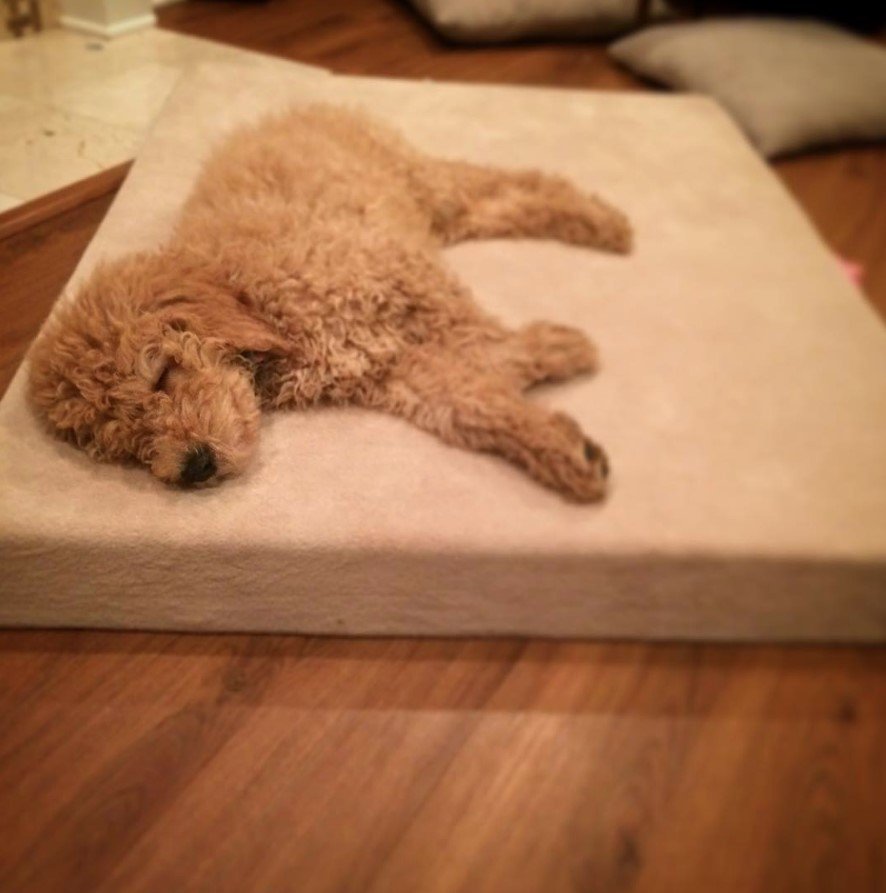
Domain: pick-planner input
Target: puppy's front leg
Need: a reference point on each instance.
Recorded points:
(469, 409)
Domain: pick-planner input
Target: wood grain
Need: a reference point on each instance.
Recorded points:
(152, 762)
(35, 263)
(145, 762)
(844, 193)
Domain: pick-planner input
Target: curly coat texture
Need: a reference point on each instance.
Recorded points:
(305, 269)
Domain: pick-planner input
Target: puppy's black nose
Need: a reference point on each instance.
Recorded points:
(199, 465)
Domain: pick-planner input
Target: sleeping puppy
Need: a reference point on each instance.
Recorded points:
(305, 269)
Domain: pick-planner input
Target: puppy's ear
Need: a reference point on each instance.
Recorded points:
(67, 410)
(58, 385)
(220, 316)
(61, 398)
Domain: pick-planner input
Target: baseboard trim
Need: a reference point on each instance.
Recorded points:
(124, 26)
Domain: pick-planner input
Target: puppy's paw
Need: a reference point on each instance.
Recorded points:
(597, 458)
(560, 352)
(580, 475)
(600, 225)
(586, 481)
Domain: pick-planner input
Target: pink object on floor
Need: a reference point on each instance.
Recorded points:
(853, 270)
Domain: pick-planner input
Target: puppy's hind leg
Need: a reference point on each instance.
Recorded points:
(477, 202)
(467, 408)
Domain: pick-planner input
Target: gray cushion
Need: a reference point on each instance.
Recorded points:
(791, 84)
(490, 21)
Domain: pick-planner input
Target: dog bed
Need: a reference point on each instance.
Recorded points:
(742, 399)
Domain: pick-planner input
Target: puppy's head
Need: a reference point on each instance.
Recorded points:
(152, 362)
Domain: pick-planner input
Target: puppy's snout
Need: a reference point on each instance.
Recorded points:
(199, 465)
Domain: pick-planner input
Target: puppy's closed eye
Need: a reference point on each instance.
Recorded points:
(153, 367)
(163, 378)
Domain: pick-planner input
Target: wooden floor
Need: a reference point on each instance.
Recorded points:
(139, 762)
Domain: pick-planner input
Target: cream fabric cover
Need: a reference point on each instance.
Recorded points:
(790, 84)
(493, 21)
(742, 400)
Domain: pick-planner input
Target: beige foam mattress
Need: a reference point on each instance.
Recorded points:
(742, 400)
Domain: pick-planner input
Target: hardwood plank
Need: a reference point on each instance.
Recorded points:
(843, 193)
(35, 264)
(227, 763)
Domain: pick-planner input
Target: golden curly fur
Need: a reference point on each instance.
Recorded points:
(305, 269)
